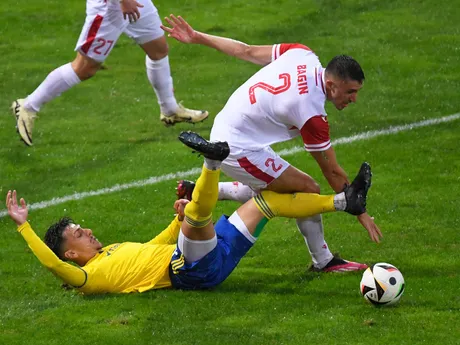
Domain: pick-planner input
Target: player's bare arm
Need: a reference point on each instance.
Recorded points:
(368, 223)
(332, 171)
(130, 9)
(337, 179)
(183, 32)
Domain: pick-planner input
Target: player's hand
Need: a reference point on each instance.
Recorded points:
(368, 222)
(179, 206)
(18, 214)
(130, 9)
(180, 29)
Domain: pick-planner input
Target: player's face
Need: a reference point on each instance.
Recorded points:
(80, 241)
(343, 92)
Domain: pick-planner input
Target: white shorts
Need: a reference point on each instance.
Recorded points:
(256, 169)
(104, 24)
(194, 250)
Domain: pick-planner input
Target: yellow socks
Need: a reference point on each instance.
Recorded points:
(297, 205)
(198, 213)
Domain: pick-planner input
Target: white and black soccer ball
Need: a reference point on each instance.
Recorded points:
(382, 284)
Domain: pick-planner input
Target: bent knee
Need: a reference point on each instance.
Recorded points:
(156, 49)
(85, 68)
(158, 54)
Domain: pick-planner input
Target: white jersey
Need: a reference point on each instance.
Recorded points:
(281, 101)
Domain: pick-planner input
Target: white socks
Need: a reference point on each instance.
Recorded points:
(195, 250)
(235, 191)
(236, 220)
(159, 75)
(340, 203)
(312, 231)
(57, 82)
(64, 77)
(212, 164)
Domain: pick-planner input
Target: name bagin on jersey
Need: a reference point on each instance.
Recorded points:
(302, 84)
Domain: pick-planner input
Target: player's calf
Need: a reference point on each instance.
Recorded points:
(204, 196)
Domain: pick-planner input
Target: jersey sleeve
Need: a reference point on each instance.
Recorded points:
(315, 134)
(70, 274)
(168, 235)
(280, 49)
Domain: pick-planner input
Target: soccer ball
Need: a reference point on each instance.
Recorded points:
(382, 284)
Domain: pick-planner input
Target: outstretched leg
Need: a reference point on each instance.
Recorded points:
(254, 214)
(235, 191)
(58, 81)
(197, 237)
(103, 26)
(198, 233)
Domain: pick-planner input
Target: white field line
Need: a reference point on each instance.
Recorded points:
(182, 174)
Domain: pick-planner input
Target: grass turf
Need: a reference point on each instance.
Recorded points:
(106, 131)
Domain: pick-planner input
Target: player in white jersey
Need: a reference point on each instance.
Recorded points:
(105, 21)
(276, 102)
(283, 100)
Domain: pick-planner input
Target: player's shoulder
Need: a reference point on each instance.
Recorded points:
(282, 48)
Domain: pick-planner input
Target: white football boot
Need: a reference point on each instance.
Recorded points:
(183, 114)
(24, 121)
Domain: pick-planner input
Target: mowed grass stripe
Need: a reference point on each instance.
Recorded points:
(182, 174)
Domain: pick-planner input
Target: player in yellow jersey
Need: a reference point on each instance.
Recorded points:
(192, 252)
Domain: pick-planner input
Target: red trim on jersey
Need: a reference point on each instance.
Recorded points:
(275, 48)
(316, 76)
(322, 83)
(315, 134)
(284, 47)
(280, 49)
(92, 32)
(319, 147)
(254, 171)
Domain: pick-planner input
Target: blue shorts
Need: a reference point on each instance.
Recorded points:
(216, 266)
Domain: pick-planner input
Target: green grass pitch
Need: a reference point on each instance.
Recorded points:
(106, 131)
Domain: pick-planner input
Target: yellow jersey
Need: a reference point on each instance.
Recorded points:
(120, 267)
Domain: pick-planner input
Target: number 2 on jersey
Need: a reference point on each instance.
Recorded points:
(270, 88)
(271, 161)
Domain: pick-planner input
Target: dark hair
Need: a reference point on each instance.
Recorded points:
(53, 237)
(345, 68)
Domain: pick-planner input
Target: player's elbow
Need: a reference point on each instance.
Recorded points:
(243, 52)
(252, 54)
